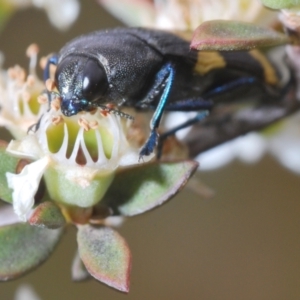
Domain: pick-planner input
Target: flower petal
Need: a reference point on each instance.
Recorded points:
(26, 148)
(25, 186)
(61, 13)
(25, 291)
(79, 271)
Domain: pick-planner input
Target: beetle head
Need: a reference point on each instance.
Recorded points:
(82, 83)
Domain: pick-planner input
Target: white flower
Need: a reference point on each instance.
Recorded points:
(77, 155)
(61, 13)
(285, 144)
(291, 17)
(183, 15)
(249, 149)
(19, 96)
(25, 185)
(26, 292)
(191, 13)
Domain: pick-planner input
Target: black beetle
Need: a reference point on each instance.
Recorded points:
(152, 69)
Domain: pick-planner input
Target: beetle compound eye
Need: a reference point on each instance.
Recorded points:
(94, 81)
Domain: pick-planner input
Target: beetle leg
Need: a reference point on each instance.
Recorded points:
(193, 104)
(166, 78)
(35, 127)
(227, 87)
(270, 93)
(205, 102)
(53, 60)
(200, 116)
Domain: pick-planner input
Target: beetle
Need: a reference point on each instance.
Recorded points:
(153, 69)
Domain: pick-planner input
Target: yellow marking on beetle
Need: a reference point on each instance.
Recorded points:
(269, 71)
(209, 60)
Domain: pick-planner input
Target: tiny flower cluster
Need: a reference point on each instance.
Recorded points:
(81, 152)
(184, 15)
(19, 96)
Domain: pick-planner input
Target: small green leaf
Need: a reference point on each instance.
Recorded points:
(141, 188)
(47, 215)
(106, 255)
(280, 4)
(224, 35)
(24, 247)
(8, 163)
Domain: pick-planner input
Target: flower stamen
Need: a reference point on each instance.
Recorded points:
(42, 99)
(30, 80)
(57, 120)
(55, 104)
(32, 52)
(93, 111)
(26, 96)
(43, 62)
(93, 125)
(50, 85)
(84, 123)
(19, 96)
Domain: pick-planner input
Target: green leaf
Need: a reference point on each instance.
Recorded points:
(280, 4)
(106, 255)
(47, 215)
(141, 188)
(224, 35)
(8, 163)
(24, 247)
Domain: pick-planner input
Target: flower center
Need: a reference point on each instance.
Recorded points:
(92, 136)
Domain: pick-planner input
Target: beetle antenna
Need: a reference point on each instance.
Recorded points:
(116, 112)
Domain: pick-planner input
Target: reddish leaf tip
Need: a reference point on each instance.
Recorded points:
(105, 255)
(47, 215)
